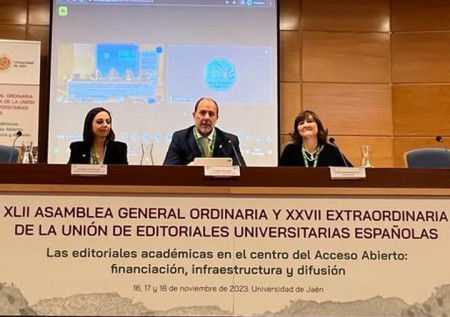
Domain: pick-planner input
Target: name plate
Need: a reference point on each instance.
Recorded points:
(222, 171)
(347, 172)
(88, 170)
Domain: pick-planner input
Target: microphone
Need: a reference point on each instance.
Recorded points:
(235, 153)
(441, 140)
(332, 142)
(18, 134)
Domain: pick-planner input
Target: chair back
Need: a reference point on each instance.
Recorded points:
(9, 154)
(428, 158)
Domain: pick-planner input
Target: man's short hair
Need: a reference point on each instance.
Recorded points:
(203, 98)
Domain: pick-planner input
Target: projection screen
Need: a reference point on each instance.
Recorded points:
(148, 61)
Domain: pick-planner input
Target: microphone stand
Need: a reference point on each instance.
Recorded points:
(332, 142)
(441, 140)
(235, 153)
(18, 134)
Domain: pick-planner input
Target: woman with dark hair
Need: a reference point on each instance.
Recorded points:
(309, 146)
(98, 145)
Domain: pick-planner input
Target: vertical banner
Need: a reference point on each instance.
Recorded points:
(19, 92)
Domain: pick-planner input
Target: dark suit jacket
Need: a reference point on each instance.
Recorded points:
(116, 153)
(183, 148)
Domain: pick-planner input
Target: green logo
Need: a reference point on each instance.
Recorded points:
(62, 11)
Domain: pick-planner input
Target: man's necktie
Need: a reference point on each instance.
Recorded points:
(206, 147)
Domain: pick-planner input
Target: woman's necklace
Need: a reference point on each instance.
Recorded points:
(314, 157)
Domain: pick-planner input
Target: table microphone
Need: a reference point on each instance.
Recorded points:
(441, 140)
(235, 153)
(18, 134)
(332, 142)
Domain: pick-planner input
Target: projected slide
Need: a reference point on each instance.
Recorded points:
(226, 72)
(109, 73)
(148, 63)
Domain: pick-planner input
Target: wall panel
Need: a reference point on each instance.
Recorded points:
(420, 15)
(346, 57)
(349, 15)
(421, 57)
(291, 105)
(39, 13)
(290, 15)
(290, 56)
(13, 32)
(351, 109)
(421, 110)
(13, 12)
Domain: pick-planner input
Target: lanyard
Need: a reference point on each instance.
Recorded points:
(311, 158)
(94, 159)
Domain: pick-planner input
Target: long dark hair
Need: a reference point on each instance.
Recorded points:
(322, 133)
(88, 134)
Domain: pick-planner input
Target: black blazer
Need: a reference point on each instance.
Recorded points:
(183, 148)
(116, 153)
(329, 156)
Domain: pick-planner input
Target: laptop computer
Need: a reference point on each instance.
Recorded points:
(212, 161)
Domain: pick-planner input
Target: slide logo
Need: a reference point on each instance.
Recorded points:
(219, 74)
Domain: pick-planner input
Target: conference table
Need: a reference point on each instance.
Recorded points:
(253, 180)
(176, 242)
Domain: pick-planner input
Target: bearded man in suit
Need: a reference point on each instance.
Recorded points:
(203, 139)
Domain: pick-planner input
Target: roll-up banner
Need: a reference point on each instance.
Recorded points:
(19, 93)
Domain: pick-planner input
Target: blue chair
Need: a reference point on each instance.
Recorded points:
(9, 154)
(428, 158)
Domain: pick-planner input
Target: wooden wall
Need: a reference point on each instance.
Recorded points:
(376, 71)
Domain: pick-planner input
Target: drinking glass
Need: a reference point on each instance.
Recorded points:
(366, 153)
